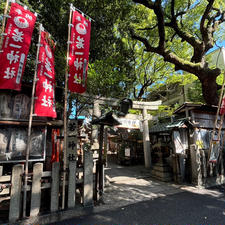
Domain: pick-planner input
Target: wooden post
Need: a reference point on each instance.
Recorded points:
(94, 133)
(199, 167)
(1, 171)
(55, 187)
(30, 124)
(105, 146)
(3, 23)
(36, 189)
(100, 161)
(15, 195)
(65, 111)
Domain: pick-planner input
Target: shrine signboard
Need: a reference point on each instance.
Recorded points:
(72, 141)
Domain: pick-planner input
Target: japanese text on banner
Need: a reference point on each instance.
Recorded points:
(15, 46)
(45, 91)
(79, 53)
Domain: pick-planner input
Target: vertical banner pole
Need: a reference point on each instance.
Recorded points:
(65, 111)
(217, 113)
(3, 23)
(30, 124)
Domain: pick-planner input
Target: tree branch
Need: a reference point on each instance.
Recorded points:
(161, 24)
(148, 28)
(144, 87)
(206, 31)
(148, 47)
(148, 4)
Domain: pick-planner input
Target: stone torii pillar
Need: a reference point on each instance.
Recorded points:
(144, 106)
(146, 139)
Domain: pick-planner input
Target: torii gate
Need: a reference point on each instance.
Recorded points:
(144, 106)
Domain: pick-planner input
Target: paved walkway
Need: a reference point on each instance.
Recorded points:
(130, 184)
(126, 186)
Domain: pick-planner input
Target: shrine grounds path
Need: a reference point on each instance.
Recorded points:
(132, 197)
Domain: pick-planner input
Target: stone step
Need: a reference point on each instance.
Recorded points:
(162, 168)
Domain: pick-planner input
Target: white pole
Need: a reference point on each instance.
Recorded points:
(30, 124)
(65, 111)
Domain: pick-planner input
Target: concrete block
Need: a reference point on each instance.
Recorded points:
(15, 195)
(36, 189)
(72, 184)
(88, 179)
(55, 187)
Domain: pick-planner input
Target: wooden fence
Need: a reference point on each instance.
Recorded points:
(44, 188)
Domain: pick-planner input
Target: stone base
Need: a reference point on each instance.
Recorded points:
(162, 172)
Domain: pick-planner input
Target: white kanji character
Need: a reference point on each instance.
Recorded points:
(85, 23)
(19, 11)
(28, 17)
(45, 102)
(9, 74)
(80, 42)
(13, 58)
(15, 46)
(78, 64)
(48, 51)
(76, 79)
(79, 53)
(49, 101)
(48, 65)
(78, 18)
(47, 75)
(47, 86)
(17, 36)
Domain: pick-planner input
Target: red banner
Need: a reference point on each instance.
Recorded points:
(222, 107)
(79, 53)
(45, 87)
(15, 46)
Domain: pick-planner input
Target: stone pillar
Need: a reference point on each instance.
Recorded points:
(88, 178)
(15, 195)
(146, 139)
(55, 187)
(36, 189)
(94, 134)
(1, 171)
(72, 184)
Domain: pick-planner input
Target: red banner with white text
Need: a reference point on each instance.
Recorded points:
(19, 29)
(222, 107)
(79, 53)
(45, 88)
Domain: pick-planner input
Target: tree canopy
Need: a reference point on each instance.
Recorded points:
(182, 33)
(137, 45)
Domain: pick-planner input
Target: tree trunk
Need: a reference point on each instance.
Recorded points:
(209, 88)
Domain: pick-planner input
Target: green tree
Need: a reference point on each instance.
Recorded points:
(182, 32)
(110, 68)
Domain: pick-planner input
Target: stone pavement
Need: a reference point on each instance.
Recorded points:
(130, 184)
(125, 185)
